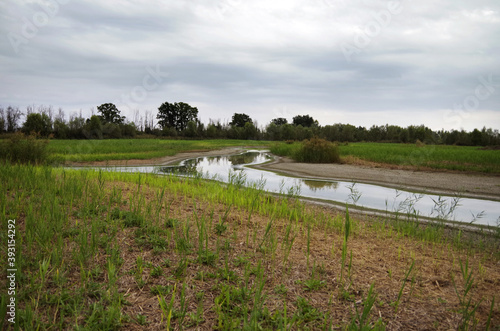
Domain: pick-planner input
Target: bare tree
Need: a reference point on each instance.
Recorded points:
(2, 120)
(30, 109)
(50, 112)
(47, 110)
(60, 115)
(13, 116)
(147, 117)
(136, 117)
(41, 109)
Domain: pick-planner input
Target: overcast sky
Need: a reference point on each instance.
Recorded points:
(360, 62)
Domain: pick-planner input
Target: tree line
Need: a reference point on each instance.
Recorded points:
(180, 119)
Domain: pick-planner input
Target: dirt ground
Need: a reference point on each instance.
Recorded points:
(466, 184)
(471, 185)
(162, 160)
(380, 257)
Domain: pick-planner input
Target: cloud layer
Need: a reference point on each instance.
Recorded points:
(358, 62)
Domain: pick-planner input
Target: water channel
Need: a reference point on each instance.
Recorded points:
(366, 196)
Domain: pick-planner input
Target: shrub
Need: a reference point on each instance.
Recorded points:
(24, 149)
(284, 149)
(316, 150)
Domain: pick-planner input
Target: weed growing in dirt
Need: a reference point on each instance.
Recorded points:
(93, 247)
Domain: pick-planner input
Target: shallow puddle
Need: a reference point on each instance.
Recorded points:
(235, 168)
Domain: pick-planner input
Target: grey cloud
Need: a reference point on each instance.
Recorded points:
(255, 56)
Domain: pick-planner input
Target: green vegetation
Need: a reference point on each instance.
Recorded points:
(180, 119)
(462, 158)
(442, 157)
(314, 150)
(24, 149)
(142, 149)
(438, 157)
(94, 248)
(176, 115)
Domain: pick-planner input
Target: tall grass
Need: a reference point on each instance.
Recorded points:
(92, 244)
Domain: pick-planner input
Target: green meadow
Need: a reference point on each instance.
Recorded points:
(141, 149)
(436, 157)
(98, 250)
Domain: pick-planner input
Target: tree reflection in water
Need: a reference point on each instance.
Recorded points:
(187, 168)
(319, 185)
(245, 158)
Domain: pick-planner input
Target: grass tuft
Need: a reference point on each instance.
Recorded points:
(21, 148)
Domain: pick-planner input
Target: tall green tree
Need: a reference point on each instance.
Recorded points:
(239, 120)
(39, 123)
(93, 128)
(110, 114)
(304, 120)
(279, 121)
(176, 115)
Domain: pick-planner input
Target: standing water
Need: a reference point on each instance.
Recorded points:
(374, 197)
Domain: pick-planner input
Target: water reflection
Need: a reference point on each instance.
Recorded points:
(188, 168)
(248, 158)
(216, 165)
(232, 169)
(318, 185)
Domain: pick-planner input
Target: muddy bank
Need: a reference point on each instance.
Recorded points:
(159, 161)
(472, 185)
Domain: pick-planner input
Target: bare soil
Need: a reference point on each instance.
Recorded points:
(160, 161)
(379, 256)
(429, 301)
(467, 184)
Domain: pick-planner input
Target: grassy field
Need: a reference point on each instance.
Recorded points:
(127, 149)
(439, 157)
(119, 251)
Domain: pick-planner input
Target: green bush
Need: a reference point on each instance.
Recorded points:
(20, 148)
(316, 150)
(285, 149)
